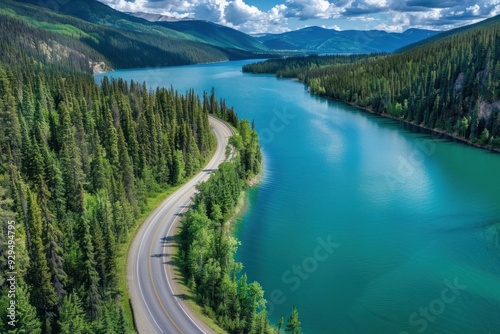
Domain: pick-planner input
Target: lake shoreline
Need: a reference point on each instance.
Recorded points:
(440, 133)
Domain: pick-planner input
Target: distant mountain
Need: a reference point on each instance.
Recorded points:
(191, 30)
(216, 34)
(320, 40)
(206, 32)
(120, 40)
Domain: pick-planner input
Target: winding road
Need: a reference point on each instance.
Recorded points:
(155, 297)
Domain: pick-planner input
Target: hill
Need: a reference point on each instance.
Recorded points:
(320, 40)
(117, 39)
(192, 30)
(22, 44)
(207, 32)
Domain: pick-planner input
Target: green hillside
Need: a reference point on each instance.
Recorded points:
(216, 34)
(450, 83)
(120, 40)
(321, 40)
(204, 32)
(22, 43)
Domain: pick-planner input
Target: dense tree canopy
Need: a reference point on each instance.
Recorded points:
(78, 162)
(208, 248)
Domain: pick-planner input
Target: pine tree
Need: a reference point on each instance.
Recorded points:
(281, 323)
(178, 168)
(126, 168)
(26, 317)
(90, 275)
(71, 164)
(10, 137)
(99, 173)
(43, 295)
(293, 323)
(72, 317)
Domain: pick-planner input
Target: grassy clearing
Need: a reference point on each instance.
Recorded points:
(64, 29)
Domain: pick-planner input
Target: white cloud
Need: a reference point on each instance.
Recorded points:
(234, 13)
(211, 10)
(390, 15)
(362, 18)
(474, 10)
(241, 16)
(376, 3)
(308, 9)
(237, 13)
(334, 27)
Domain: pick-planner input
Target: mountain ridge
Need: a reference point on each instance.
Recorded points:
(94, 11)
(124, 41)
(322, 40)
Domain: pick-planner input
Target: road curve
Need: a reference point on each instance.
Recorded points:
(153, 291)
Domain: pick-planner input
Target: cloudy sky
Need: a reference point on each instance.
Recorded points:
(260, 16)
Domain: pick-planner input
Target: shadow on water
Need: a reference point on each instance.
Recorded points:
(467, 227)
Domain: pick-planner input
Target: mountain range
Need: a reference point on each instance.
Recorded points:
(116, 39)
(307, 40)
(93, 33)
(321, 40)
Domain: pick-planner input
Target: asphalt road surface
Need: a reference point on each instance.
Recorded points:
(156, 301)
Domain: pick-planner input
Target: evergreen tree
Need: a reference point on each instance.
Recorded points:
(281, 323)
(26, 317)
(10, 137)
(90, 275)
(72, 317)
(293, 323)
(43, 295)
(178, 168)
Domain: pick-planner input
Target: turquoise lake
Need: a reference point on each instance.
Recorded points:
(363, 224)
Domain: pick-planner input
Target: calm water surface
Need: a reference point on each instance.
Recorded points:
(365, 226)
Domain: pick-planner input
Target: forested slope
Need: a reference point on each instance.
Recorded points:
(22, 43)
(77, 164)
(120, 40)
(451, 84)
(297, 67)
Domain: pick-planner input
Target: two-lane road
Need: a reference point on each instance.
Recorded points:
(153, 294)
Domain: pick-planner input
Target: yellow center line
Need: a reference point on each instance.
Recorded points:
(150, 270)
(151, 251)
